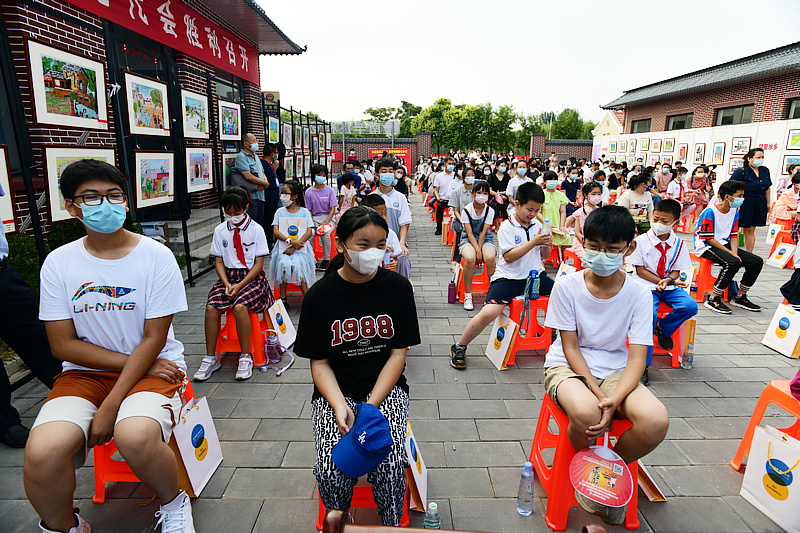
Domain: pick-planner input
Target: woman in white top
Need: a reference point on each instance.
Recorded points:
(638, 202)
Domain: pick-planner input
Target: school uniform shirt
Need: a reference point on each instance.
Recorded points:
(443, 181)
(320, 201)
(513, 185)
(512, 235)
(393, 241)
(675, 188)
(606, 193)
(108, 300)
(648, 255)
(346, 324)
(254, 243)
(603, 326)
(714, 224)
(397, 211)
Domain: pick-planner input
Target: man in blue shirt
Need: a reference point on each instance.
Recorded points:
(248, 163)
(22, 330)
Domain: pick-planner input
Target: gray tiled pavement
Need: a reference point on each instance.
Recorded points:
(475, 427)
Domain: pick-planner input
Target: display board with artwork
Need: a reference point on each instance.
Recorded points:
(228, 163)
(718, 154)
(199, 173)
(194, 108)
(155, 178)
(68, 89)
(286, 138)
(740, 145)
(148, 109)
(274, 126)
(7, 213)
(230, 121)
(57, 158)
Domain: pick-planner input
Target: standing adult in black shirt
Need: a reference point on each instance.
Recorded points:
(273, 192)
(357, 344)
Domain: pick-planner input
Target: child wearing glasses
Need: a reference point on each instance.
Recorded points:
(589, 370)
(107, 301)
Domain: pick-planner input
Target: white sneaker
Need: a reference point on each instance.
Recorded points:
(82, 527)
(176, 516)
(245, 369)
(207, 367)
(468, 302)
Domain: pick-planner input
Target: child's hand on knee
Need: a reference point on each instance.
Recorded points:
(607, 407)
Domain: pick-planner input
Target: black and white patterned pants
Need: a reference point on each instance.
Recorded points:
(388, 479)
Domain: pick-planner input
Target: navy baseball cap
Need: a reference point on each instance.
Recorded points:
(366, 445)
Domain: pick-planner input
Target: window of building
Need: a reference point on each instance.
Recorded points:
(680, 122)
(641, 126)
(794, 109)
(735, 115)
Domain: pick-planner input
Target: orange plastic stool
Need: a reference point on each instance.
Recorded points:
(108, 469)
(290, 287)
(576, 261)
(777, 392)
(705, 281)
(480, 282)
(537, 337)
(446, 225)
(678, 338)
(363, 497)
(785, 222)
(784, 236)
(555, 479)
(318, 245)
(228, 340)
(687, 225)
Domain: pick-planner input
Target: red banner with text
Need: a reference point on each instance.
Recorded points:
(177, 26)
(402, 153)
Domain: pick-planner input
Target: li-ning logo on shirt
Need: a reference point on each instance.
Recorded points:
(113, 292)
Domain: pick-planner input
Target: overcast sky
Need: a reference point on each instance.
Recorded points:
(532, 54)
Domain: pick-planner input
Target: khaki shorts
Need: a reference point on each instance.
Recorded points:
(77, 394)
(554, 375)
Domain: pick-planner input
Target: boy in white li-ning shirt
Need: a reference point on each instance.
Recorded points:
(589, 371)
(107, 301)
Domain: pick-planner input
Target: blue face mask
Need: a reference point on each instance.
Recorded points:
(320, 179)
(387, 178)
(601, 264)
(551, 184)
(737, 203)
(522, 171)
(450, 168)
(104, 218)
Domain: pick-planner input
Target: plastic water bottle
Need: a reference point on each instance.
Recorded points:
(525, 495)
(688, 357)
(546, 227)
(432, 520)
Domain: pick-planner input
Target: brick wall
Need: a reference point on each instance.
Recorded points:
(769, 96)
(542, 146)
(362, 147)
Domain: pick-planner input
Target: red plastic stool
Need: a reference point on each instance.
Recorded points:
(108, 469)
(363, 497)
(537, 337)
(555, 478)
(318, 245)
(228, 340)
(785, 222)
(705, 281)
(576, 261)
(445, 229)
(480, 282)
(777, 392)
(290, 287)
(678, 338)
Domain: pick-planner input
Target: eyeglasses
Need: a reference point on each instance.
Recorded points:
(93, 200)
(611, 254)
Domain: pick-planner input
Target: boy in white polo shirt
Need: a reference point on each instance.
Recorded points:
(589, 370)
(659, 257)
(522, 248)
(107, 301)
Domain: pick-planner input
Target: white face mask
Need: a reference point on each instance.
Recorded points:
(661, 229)
(469, 180)
(235, 219)
(365, 261)
(286, 199)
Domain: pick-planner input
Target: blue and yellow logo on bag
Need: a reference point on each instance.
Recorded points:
(783, 326)
(498, 340)
(199, 442)
(682, 277)
(772, 233)
(777, 479)
(781, 251)
(279, 320)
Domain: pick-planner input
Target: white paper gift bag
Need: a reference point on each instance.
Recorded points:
(500, 341)
(198, 443)
(772, 232)
(783, 332)
(282, 324)
(782, 255)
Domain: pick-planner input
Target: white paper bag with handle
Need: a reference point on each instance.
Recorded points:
(198, 443)
(416, 474)
(771, 481)
(282, 324)
(565, 269)
(772, 232)
(503, 333)
(783, 332)
(782, 255)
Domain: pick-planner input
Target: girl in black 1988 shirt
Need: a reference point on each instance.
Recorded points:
(356, 325)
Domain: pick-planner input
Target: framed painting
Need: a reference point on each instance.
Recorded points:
(632, 146)
(718, 154)
(631, 160)
(622, 146)
(666, 159)
(643, 157)
(699, 153)
(298, 136)
(274, 127)
(287, 135)
(612, 147)
(148, 110)
(683, 152)
(653, 161)
(306, 138)
(230, 121)
(788, 161)
(68, 89)
(288, 163)
(793, 141)
(315, 148)
(644, 144)
(307, 166)
(199, 173)
(735, 164)
(228, 162)
(328, 141)
(655, 146)
(7, 211)
(740, 145)
(669, 145)
(155, 178)
(194, 107)
(298, 166)
(57, 158)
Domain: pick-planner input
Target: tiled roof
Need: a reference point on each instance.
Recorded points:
(766, 63)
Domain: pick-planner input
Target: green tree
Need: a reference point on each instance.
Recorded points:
(568, 125)
(405, 114)
(380, 114)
